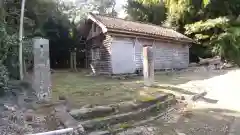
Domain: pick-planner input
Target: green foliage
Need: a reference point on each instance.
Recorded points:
(205, 31)
(227, 45)
(104, 7)
(11, 17)
(216, 8)
(206, 2)
(7, 44)
(176, 14)
(52, 19)
(202, 26)
(40, 11)
(147, 11)
(181, 12)
(3, 79)
(213, 24)
(221, 36)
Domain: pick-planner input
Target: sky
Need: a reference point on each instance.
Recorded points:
(119, 7)
(119, 4)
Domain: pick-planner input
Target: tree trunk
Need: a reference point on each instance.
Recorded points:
(1, 10)
(71, 61)
(20, 40)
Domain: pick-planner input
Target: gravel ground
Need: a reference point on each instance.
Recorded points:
(202, 116)
(221, 85)
(16, 118)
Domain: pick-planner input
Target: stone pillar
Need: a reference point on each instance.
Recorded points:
(148, 65)
(42, 73)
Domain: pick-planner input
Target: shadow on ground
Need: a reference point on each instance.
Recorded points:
(182, 77)
(180, 91)
(197, 122)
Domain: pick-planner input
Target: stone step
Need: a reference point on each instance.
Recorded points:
(114, 109)
(118, 121)
(133, 127)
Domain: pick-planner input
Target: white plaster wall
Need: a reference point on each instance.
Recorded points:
(122, 56)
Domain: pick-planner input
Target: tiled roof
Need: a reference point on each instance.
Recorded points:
(140, 28)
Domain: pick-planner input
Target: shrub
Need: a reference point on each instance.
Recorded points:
(3, 79)
(227, 45)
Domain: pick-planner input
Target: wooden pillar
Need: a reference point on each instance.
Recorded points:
(73, 60)
(148, 65)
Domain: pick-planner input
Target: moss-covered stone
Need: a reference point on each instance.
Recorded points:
(125, 125)
(146, 98)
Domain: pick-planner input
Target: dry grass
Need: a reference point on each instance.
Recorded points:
(81, 89)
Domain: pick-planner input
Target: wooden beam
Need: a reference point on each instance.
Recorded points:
(93, 18)
(146, 37)
(135, 34)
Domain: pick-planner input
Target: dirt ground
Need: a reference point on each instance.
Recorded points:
(81, 89)
(217, 113)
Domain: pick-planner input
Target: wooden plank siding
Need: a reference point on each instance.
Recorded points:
(103, 42)
(171, 56)
(106, 53)
(168, 55)
(139, 43)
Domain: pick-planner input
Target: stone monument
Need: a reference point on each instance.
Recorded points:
(42, 73)
(148, 65)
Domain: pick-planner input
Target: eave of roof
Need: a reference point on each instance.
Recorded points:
(107, 28)
(150, 35)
